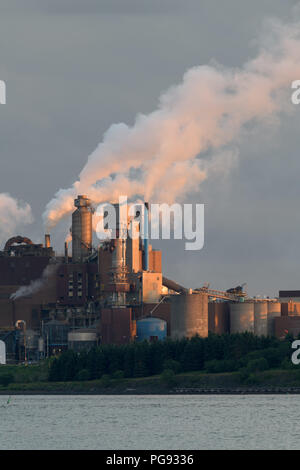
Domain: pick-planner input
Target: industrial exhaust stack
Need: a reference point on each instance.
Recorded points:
(82, 229)
(47, 241)
(66, 252)
(146, 239)
(119, 270)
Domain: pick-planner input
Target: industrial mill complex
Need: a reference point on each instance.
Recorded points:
(116, 293)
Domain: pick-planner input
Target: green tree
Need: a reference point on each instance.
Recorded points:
(170, 364)
(257, 365)
(168, 378)
(142, 360)
(193, 355)
(82, 375)
(6, 379)
(118, 375)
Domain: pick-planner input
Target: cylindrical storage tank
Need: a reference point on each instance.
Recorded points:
(293, 308)
(274, 310)
(41, 347)
(151, 329)
(56, 333)
(189, 315)
(32, 339)
(242, 317)
(81, 229)
(218, 317)
(261, 318)
(2, 353)
(80, 340)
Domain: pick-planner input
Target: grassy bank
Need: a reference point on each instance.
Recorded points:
(33, 379)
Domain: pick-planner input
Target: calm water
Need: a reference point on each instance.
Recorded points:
(150, 422)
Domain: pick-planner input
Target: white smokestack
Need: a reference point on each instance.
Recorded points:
(13, 214)
(208, 111)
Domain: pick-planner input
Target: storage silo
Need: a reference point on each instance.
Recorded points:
(83, 339)
(274, 311)
(189, 315)
(55, 334)
(242, 317)
(218, 317)
(261, 318)
(32, 339)
(2, 352)
(151, 329)
(81, 229)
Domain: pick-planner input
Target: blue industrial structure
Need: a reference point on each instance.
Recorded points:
(151, 329)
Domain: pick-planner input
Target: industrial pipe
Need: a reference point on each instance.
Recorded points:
(146, 239)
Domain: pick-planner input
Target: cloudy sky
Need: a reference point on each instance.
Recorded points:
(74, 67)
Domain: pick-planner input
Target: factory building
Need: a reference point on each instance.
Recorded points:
(95, 296)
(289, 321)
(116, 293)
(21, 263)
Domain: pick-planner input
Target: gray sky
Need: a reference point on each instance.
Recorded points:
(74, 67)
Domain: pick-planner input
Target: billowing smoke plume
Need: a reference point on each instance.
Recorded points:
(36, 285)
(13, 214)
(168, 153)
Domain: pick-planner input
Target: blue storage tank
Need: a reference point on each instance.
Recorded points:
(151, 329)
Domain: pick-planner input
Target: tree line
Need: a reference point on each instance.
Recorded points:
(215, 353)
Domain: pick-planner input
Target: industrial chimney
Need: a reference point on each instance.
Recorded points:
(47, 241)
(66, 252)
(119, 270)
(81, 229)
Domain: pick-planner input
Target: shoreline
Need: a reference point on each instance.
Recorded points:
(33, 381)
(248, 391)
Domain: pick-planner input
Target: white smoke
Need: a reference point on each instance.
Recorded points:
(13, 214)
(36, 285)
(168, 153)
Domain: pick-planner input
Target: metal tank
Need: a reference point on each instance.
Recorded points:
(189, 315)
(41, 345)
(241, 317)
(218, 317)
(81, 229)
(2, 352)
(293, 308)
(32, 339)
(261, 318)
(274, 311)
(83, 339)
(151, 329)
(55, 334)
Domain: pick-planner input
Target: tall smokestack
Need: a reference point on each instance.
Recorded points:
(119, 269)
(47, 241)
(81, 229)
(66, 252)
(146, 239)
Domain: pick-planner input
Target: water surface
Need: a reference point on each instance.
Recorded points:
(150, 422)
